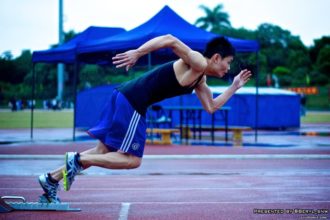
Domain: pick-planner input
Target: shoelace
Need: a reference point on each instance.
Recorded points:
(73, 170)
(52, 191)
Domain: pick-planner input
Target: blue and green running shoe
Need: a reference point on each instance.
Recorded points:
(71, 169)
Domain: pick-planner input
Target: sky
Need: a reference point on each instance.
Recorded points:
(33, 24)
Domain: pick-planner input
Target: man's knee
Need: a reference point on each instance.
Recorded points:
(101, 148)
(134, 162)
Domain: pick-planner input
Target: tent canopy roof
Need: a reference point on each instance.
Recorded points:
(166, 21)
(98, 44)
(66, 52)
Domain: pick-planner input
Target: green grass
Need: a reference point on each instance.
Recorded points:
(316, 117)
(64, 119)
(42, 119)
(319, 101)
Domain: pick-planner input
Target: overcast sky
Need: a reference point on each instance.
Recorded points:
(33, 24)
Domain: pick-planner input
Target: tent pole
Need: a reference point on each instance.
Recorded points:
(149, 61)
(257, 98)
(32, 100)
(76, 70)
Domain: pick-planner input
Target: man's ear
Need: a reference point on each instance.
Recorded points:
(216, 58)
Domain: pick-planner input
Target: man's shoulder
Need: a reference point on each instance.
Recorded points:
(197, 61)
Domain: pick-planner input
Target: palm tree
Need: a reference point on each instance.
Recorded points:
(214, 19)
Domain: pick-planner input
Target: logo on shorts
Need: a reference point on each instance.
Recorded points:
(135, 146)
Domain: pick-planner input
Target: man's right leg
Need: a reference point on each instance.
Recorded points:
(110, 160)
(98, 156)
(99, 149)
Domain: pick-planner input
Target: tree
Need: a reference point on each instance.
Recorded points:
(273, 35)
(214, 20)
(282, 49)
(284, 75)
(320, 56)
(240, 33)
(322, 67)
(14, 70)
(23, 65)
(7, 70)
(318, 45)
(7, 55)
(67, 37)
(323, 60)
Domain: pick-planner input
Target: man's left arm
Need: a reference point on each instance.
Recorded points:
(211, 104)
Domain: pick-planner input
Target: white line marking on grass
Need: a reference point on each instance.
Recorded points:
(123, 215)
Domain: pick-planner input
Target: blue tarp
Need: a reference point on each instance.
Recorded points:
(66, 53)
(164, 22)
(279, 109)
(90, 104)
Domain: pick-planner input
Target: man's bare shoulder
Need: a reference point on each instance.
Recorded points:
(197, 61)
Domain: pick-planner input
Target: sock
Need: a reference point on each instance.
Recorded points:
(77, 160)
(51, 179)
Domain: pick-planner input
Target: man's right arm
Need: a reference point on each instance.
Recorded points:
(192, 58)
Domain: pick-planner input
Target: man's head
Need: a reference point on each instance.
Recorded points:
(220, 53)
(219, 45)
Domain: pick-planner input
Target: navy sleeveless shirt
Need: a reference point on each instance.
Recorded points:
(154, 86)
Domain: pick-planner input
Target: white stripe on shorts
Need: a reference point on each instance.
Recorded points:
(130, 132)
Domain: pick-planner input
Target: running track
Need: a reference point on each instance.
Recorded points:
(214, 183)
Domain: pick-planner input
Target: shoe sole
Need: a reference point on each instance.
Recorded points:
(65, 175)
(44, 199)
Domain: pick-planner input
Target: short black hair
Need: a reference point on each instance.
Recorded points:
(220, 45)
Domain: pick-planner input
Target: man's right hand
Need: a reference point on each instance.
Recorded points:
(127, 59)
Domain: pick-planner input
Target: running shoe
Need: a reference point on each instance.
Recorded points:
(50, 189)
(72, 168)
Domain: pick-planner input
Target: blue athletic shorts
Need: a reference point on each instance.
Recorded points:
(121, 127)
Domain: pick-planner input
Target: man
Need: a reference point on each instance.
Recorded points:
(122, 128)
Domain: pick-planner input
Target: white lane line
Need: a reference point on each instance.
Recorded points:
(123, 215)
(303, 188)
(171, 157)
(292, 202)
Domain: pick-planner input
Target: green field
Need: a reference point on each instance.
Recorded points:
(42, 119)
(64, 119)
(316, 117)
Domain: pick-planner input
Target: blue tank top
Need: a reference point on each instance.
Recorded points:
(154, 86)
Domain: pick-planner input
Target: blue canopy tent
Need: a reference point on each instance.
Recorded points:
(67, 53)
(166, 21)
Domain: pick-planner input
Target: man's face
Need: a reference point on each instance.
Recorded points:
(222, 65)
